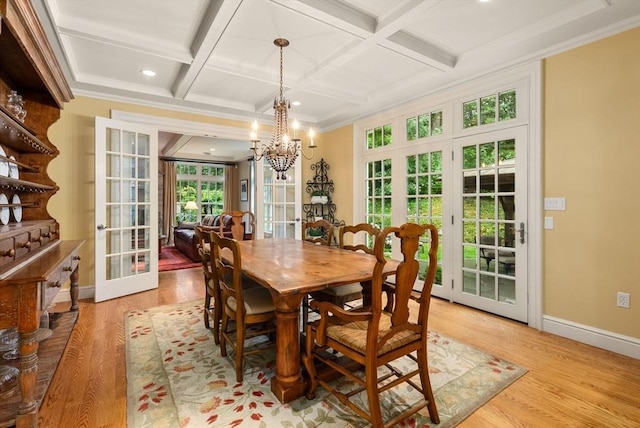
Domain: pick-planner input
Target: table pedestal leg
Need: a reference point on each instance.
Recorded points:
(288, 383)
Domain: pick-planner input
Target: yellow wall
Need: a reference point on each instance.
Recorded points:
(591, 157)
(336, 148)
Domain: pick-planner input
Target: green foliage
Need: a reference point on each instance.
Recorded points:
(424, 125)
(489, 109)
(380, 136)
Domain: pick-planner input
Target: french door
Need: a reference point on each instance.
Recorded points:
(126, 208)
(426, 169)
(279, 213)
(490, 222)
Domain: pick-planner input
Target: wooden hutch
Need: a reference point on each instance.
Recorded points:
(34, 262)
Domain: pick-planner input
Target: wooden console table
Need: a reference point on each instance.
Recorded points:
(24, 294)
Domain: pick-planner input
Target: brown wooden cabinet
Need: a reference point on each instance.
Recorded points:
(34, 262)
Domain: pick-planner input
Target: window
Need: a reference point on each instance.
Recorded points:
(203, 184)
(378, 185)
(425, 125)
(379, 137)
(489, 109)
(424, 202)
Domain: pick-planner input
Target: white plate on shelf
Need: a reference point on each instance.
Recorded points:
(4, 165)
(4, 210)
(17, 211)
(13, 169)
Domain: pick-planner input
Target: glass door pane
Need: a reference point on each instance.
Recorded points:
(281, 205)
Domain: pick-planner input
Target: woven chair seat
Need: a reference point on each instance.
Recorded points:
(354, 335)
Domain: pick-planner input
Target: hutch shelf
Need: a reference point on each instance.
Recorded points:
(34, 262)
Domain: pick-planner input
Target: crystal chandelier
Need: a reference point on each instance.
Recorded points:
(283, 150)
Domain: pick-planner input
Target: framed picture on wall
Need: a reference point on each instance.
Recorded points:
(244, 191)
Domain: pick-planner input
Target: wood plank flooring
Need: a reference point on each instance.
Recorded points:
(568, 384)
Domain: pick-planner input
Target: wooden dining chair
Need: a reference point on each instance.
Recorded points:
(379, 335)
(243, 224)
(319, 232)
(251, 308)
(211, 287)
(363, 236)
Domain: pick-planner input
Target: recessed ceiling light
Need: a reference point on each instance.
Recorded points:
(296, 103)
(148, 72)
(212, 149)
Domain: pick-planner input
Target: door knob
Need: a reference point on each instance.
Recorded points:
(102, 227)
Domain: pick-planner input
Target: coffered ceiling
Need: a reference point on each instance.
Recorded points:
(347, 58)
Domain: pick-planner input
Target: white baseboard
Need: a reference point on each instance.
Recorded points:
(85, 292)
(625, 345)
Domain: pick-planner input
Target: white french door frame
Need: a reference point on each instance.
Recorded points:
(120, 215)
(516, 308)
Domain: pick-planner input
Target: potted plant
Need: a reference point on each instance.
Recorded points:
(319, 197)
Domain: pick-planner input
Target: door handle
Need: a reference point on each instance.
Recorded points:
(521, 230)
(102, 227)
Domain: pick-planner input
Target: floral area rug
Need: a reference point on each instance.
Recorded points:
(177, 378)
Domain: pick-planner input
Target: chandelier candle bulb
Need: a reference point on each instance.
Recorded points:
(312, 144)
(296, 125)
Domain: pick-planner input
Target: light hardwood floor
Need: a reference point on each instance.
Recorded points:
(568, 384)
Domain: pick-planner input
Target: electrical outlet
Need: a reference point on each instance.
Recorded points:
(623, 300)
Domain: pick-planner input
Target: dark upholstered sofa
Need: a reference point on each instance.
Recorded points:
(184, 235)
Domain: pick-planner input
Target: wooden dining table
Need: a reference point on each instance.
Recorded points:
(290, 269)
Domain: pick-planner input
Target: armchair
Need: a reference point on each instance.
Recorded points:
(376, 336)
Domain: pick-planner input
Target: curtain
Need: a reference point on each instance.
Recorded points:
(169, 199)
(231, 188)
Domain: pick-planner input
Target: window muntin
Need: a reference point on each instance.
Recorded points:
(489, 109)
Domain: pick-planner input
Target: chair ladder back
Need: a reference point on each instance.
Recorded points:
(204, 248)
(327, 232)
(239, 220)
(229, 274)
(357, 230)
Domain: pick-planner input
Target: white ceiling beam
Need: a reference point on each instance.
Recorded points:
(175, 143)
(83, 29)
(334, 13)
(218, 15)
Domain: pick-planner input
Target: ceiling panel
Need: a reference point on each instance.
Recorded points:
(120, 67)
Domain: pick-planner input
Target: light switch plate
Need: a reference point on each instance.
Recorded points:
(548, 223)
(554, 204)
